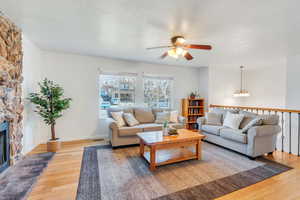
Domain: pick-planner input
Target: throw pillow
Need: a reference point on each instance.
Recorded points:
(161, 117)
(214, 119)
(223, 111)
(174, 116)
(130, 119)
(269, 119)
(233, 120)
(118, 116)
(144, 115)
(254, 122)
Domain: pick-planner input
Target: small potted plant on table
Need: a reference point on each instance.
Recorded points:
(49, 105)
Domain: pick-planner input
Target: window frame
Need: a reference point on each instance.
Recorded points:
(155, 77)
(119, 75)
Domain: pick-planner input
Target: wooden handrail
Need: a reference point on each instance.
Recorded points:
(255, 108)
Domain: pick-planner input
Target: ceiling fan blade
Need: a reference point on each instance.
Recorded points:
(188, 56)
(164, 55)
(198, 46)
(158, 47)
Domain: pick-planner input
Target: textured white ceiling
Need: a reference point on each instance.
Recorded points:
(238, 30)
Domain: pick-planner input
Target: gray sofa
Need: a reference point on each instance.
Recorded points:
(126, 135)
(256, 141)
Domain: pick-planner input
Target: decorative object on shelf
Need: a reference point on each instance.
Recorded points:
(179, 48)
(241, 92)
(194, 95)
(173, 131)
(49, 105)
(165, 128)
(192, 108)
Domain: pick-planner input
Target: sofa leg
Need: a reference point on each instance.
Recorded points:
(270, 153)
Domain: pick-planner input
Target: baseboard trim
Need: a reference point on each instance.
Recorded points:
(43, 146)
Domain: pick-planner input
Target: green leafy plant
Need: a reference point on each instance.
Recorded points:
(192, 94)
(50, 103)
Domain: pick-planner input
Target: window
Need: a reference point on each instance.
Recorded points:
(117, 90)
(157, 91)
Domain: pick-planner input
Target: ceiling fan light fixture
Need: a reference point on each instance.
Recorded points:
(184, 52)
(172, 53)
(179, 50)
(180, 40)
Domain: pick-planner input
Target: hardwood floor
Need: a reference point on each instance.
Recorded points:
(60, 179)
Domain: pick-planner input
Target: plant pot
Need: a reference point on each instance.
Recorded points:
(53, 145)
(192, 97)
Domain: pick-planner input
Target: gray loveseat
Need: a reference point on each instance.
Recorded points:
(126, 135)
(256, 141)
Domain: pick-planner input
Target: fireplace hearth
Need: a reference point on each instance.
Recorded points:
(4, 147)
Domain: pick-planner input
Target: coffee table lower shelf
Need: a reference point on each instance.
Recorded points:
(168, 156)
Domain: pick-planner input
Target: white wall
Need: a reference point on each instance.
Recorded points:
(203, 84)
(78, 75)
(266, 83)
(32, 124)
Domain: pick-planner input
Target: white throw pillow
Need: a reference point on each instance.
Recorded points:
(174, 116)
(233, 120)
(118, 116)
(130, 119)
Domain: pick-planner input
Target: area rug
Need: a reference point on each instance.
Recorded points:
(117, 174)
(16, 182)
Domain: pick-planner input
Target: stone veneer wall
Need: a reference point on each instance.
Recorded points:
(11, 107)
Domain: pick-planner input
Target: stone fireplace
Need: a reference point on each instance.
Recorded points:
(11, 107)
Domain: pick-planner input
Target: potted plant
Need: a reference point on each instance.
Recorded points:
(50, 103)
(192, 95)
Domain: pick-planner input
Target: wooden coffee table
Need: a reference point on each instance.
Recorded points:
(170, 149)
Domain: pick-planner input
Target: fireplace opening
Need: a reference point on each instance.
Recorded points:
(4, 147)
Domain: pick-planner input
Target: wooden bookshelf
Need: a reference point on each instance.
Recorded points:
(191, 110)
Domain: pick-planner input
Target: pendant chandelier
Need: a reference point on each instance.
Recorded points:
(242, 92)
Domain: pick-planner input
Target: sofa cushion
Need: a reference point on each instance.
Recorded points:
(212, 129)
(246, 121)
(233, 120)
(174, 116)
(156, 110)
(129, 131)
(119, 109)
(144, 115)
(214, 119)
(162, 117)
(254, 122)
(130, 119)
(224, 111)
(269, 119)
(234, 135)
(248, 114)
(150, 127)
(118, 116)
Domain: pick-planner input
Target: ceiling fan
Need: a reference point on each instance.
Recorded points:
(179, 47)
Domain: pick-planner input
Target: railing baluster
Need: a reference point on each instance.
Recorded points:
(290, 132)
(276, 142)
(282, 132)
(298, 133)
